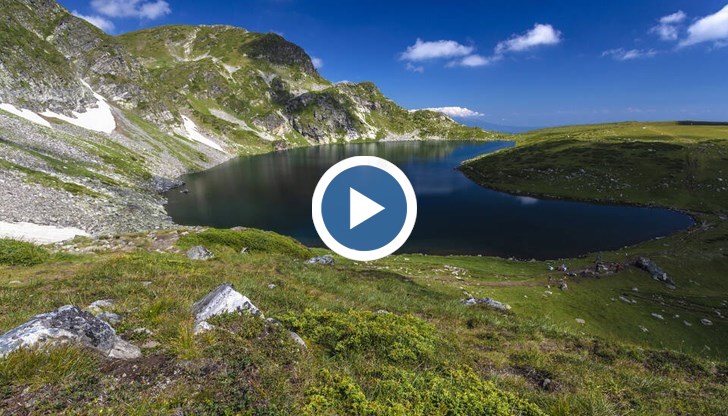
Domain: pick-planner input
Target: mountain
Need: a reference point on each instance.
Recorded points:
(93, 126)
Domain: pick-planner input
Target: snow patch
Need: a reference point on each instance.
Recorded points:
(96, 119)
(40, 234)
(26, 114)
(194, 134)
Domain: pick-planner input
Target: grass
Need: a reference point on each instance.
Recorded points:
(429, 355)
(20, 253)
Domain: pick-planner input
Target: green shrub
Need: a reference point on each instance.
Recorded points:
(385, 336)
(401, 392)
(252, 239)
(20, 253)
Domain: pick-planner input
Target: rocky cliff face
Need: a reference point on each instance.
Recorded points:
(91, 125)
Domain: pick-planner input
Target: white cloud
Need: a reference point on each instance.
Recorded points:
(317, 62)
(426, 50)
(474, 60)
(456, 111)
(668, 27)
(622, 54)
(104, 24)
(711, 28)
(676, 17)
(540, 35)
(414, 68)
(132, 8)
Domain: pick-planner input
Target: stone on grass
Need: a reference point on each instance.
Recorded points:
(68, 324)
(657, 315)
(627, 300)
(706, 322)
(224, 299)
(580, 321)
(109, 317)
(487, 302)
(294, 336)
(686, 323)
(199, 253)
(563, 286)
(325, 260)
(657, 273)
(100, 305)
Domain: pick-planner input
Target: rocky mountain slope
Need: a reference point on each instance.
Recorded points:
(93, 126)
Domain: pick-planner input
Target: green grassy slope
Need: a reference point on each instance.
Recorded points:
(429, 355)
(663, 164)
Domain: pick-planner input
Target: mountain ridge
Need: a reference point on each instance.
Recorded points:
(88, 119)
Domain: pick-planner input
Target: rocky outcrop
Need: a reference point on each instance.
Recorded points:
(492, 303)
(68, 324)
(276, 50)
(199, 253)
(326, 260)
(655, 271)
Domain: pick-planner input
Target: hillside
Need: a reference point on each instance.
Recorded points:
(92, 126)
(388, 337)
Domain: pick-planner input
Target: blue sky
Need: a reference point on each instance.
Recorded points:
(518, 63)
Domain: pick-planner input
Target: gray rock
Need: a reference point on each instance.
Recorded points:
(706, 322)
(199, 253)
(580, 321)
(224, 299)
(686, 323)
(325, 260)
(100, 305)
(145, 284)
(657, 316)
(627, 300)
(109, 317)
(68, 323)
(272, 286)
(643, 329)
(382, 312)
(487, 302)
(298, 339)
(563, 286)
(657, 273)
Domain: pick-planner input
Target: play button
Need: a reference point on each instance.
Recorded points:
(361, 208)
(364, 208)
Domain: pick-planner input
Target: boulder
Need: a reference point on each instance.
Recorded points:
(325, 260)
(655, 271)
(487, 302)
(224, 299)
(199, 253)
(68, 324)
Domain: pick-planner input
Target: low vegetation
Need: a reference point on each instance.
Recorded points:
(392, 337)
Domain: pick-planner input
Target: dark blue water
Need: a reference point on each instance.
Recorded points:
(455, 215)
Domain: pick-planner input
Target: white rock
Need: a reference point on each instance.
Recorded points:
(224, 299)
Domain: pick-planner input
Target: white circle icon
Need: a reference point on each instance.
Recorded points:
(362, 208)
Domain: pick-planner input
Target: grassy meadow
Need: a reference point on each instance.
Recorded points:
(429, 353)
